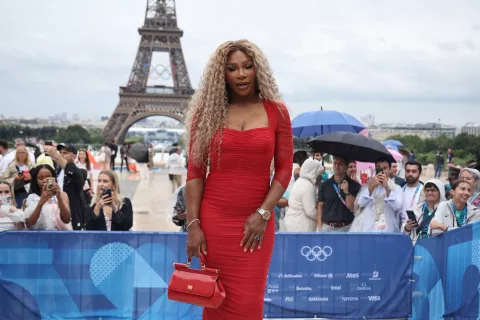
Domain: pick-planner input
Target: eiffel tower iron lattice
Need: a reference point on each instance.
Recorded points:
(160, 33)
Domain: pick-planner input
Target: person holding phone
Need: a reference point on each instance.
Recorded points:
(18, 174)
(47, 207)
(110, 211)
(71, 180)
(381, 201)
(419, 219)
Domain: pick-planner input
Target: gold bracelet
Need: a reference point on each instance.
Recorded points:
(188, 226)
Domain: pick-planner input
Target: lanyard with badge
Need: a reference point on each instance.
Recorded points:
(337, 189)
(414, 195)
(427, 218)
(463, 215)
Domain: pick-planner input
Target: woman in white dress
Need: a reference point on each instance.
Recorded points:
(301, 215)
(47, 207)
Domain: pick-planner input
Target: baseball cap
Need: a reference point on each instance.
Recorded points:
(68, 146)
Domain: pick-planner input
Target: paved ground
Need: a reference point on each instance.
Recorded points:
(151, 199)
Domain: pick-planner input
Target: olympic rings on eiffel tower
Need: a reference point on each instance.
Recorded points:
(159, 71)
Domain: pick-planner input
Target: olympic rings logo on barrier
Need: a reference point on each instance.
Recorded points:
(316, 253)
(159, 71)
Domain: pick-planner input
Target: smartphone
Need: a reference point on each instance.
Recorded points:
(107, 192)
(412, 216)
(50, 183)
(378, 171)
(49, 143)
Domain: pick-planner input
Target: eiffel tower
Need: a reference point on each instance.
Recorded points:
(159, 33)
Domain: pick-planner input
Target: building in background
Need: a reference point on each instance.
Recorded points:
(368, 120)
(471, 128)
(423, 130)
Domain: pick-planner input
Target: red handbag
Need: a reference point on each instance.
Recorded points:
(199, 287)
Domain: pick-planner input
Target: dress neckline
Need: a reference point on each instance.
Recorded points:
(259, 128)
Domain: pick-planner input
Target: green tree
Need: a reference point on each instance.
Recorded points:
(74, 134)
(414, 143)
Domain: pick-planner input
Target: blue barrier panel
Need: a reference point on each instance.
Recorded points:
(100, 275)
(342, 276)
(446, 270)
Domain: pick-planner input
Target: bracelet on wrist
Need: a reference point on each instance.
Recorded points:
(188, 226)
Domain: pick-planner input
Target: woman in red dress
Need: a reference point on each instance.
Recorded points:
(237, 124)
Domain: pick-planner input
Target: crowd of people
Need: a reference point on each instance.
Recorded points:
(55, 191)
(385, 203)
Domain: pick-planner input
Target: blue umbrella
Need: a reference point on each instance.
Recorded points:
(391, 147)
(394, 143)
(316, 123)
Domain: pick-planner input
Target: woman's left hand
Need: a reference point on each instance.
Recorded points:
(254, 229)
(56, 190)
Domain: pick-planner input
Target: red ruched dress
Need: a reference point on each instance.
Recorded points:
(232, 192)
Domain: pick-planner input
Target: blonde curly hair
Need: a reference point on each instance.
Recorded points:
(208, 109)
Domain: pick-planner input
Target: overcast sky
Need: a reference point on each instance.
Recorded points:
(403, 61)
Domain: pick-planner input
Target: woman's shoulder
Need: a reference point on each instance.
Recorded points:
(276, 107)
(32, 198)
(443, 204)
(420, 206)
(442, 207)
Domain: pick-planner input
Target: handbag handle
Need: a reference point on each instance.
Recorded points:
(202, 262)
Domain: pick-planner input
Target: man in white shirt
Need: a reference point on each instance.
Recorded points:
(382, 201)
(413, 187)
(176, 168)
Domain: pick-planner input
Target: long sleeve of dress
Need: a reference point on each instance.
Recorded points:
(194, 171)
(283, 148)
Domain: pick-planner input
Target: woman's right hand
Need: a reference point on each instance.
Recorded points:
(196, 243)
(104, 200)
(46, 195)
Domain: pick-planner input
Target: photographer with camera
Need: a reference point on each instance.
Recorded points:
(110, 211)
(18, 174)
